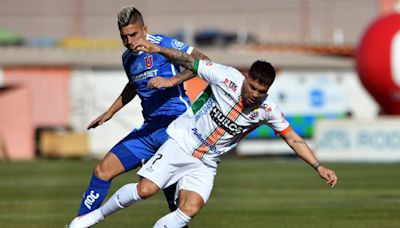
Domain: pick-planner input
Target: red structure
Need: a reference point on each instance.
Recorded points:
(378, 62)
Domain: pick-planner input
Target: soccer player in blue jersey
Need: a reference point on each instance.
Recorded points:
(160, 107)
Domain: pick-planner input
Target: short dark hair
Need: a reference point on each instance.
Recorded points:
(129, 15)
(263, 72)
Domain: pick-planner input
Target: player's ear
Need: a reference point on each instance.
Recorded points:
(145, 29)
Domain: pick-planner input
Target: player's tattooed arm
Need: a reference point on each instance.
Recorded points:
(176, 56)
(199, 55)
(188, 74)
(300, 147)
(299, 141)
(161, 82)
(181, 58)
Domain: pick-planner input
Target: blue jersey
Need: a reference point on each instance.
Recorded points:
(166, 103)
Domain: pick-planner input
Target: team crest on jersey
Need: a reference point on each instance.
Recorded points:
(177, 44)
(148, 61)
(254, 114)
(231, 85)
(209, 63)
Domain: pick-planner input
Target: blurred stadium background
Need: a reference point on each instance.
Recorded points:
(338, 83)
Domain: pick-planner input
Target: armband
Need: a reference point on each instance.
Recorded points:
(196, 66)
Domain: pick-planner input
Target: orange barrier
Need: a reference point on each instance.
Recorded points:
(50, 92)
(194, 86)
(16, 123)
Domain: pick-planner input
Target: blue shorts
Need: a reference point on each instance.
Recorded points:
(141, 144)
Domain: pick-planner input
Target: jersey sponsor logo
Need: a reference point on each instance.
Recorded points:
(200, 137)
(204, 110)
(225, 123)
(144, 75)
(91, 198)
(148, 61)
(177, 44)
(231, 85)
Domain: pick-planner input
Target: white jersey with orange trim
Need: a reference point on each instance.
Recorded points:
(217, 119)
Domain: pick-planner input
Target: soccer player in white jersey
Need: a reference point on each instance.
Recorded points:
(232, 105)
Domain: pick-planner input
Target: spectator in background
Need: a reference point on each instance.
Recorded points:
(230, 106)
(160, 107)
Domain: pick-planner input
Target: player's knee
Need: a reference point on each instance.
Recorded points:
(101, 172)
(147, 189)
(190, 209)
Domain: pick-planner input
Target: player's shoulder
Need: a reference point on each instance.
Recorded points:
(232, 73)
(126, 54)
(222, 73)
(269, 104)
(269, 100)
(167, 41)
(218, 66)
(156, 38)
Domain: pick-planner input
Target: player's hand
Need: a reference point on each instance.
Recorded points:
(328, 174)
(146, 46)
(160, 82)
(99, 120)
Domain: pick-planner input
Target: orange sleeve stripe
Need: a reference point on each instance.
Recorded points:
(284, 131)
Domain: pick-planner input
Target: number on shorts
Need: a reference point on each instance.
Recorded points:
(159, 157)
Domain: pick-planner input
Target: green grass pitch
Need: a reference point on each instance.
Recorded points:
(247, 193)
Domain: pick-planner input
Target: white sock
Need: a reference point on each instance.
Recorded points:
(175, 219)
(123, 197)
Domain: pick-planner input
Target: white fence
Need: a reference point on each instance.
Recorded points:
(376, 140)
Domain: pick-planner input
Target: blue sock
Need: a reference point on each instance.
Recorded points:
(94, 195)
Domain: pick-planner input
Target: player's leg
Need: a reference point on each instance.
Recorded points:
(100, 183)
(190, 204)
(170, 195)
(126, 196)
(194, 190)
(156, 173)
(159, 137)
(121, 159)
(129, 194)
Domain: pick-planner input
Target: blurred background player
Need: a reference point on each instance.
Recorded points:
(160, 107)
(232, 105)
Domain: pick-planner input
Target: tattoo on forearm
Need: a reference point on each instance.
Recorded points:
(299, 141)
(198, 55)
(181, 58)
(184, 76)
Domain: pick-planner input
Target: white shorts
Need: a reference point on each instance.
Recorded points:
(171, 164)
